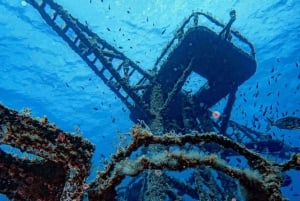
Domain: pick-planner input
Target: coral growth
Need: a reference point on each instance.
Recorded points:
(262, 182)
(29, 179)
(59, 153)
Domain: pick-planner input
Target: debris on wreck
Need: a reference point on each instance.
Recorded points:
(60, 169)
(175, 129)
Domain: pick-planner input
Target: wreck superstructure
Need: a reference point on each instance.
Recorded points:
(166, 109)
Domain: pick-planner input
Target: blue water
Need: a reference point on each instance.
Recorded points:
(38, 69)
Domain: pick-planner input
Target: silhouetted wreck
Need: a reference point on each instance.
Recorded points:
(174, 130)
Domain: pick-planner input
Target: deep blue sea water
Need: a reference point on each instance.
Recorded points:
(37, 65)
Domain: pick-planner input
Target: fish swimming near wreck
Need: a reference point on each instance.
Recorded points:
(289, 123)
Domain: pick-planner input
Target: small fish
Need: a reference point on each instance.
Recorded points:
(289, 123)
(265, 111)
(261, 106)
(255, 118)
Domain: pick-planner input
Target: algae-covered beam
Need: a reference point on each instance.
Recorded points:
(262, 175)
(293, 163)
(66, 154)
(22, 179)
(19, 177)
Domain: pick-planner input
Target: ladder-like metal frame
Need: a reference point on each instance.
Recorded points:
(123, 76)
(119, 73)
(111, 65)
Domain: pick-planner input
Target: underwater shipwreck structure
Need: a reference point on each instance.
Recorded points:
(173, 131)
